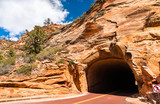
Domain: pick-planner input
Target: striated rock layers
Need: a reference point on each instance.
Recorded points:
(120, 37)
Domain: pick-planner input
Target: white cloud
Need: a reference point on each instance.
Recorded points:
(18, 15)
(14, 38)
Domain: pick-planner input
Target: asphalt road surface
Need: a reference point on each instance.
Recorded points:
(117, 97)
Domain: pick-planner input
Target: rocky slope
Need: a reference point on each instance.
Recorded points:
(5, 44)
(118, 31)
(49, 30)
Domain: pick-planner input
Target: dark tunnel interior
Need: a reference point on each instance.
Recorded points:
(110, 75)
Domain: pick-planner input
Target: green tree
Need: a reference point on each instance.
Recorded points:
(11, 52)
(78, 18)
(92, 5)
(35, 39)
(48, 22)
(1, 57)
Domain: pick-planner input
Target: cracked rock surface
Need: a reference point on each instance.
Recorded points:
(128, 30)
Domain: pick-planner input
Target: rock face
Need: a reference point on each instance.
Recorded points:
(128, 30)
(5, 44)
(49, 82)
(117, 34)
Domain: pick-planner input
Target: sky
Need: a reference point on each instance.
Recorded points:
(18, 15)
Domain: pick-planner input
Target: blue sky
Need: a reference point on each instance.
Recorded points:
(27, 13)
(77, 8)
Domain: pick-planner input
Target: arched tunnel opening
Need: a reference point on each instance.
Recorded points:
(110, 75)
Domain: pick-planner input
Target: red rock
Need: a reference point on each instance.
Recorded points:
(128, 30)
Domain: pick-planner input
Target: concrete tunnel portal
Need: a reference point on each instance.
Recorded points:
(110, 75)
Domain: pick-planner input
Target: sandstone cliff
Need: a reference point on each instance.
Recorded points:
(124, 33)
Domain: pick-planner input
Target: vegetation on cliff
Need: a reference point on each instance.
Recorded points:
(7, 62)
(35, 39)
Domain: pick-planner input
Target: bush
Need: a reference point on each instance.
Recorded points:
(78, 18)
(4, 68)
(47, 54)
(101, 13)
(5, 65)
(74, 21)
(29, 58)
(56, 32)
(8, 61)
(10, 53)
(92, 5)
(83, 16)
(61, 61)
(95, 5)
(1, 57)
(71, 62)
(26, 70)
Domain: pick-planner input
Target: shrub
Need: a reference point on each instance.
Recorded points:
(83, 16)
(56, 32)
(101, 13)
(92, 5)
(78, 18)
(47, 54)
(95, 5)
(71, 62)
(26, 70)
(1, 57)
(11, 52)
(61, 61)
(29, 58)
(5, 65)
(10, 61)
(4, 68)
(74, 21)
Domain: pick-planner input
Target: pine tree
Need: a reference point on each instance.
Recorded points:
(35, 39)
(48, 22)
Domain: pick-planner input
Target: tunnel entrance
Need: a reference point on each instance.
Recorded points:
(110, 75)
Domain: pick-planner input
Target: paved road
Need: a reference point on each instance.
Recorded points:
(109, 98)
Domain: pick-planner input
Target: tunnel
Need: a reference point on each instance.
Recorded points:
(110, 75)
